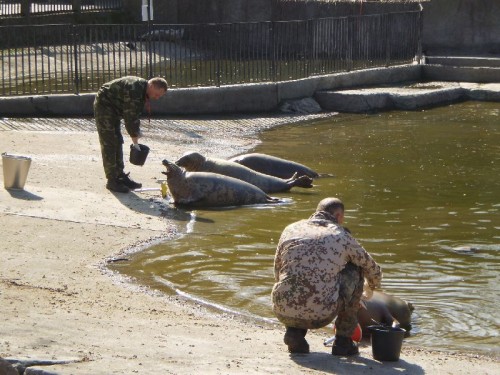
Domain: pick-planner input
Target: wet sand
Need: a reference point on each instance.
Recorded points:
(59, 303)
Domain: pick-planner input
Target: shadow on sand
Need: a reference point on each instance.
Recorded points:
(24, 195)
(327, 363)
(155, 206)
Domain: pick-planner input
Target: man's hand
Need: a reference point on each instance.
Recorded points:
(367, 291)
(135, 140)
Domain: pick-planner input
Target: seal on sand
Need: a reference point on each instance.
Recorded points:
(381, 307)
(273, 165)
(194, 161)
(202, 189)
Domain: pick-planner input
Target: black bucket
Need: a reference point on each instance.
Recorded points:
(138, 157)
(386, 342)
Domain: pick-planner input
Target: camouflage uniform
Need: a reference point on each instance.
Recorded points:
(121, 98)
(319, 270)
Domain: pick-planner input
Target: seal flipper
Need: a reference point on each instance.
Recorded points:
(303, 181)
(273, 199)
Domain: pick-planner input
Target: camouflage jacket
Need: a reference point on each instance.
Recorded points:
(125, 97)
(310, 255)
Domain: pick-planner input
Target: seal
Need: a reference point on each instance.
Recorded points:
(273, 165)
(382, 308)
(194, 161)
(204, 189)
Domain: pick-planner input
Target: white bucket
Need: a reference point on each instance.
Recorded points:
(15, 170)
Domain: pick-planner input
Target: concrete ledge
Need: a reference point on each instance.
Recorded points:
(245, 98)
(430, 98)
(409, 97)
(260, 97)
(463, 61)
(267, 97)
(368, 77)
(460, 74)
(47, 105)
(486, 92)
(206, 100)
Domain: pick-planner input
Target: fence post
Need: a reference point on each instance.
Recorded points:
(420, 56)
(350, 41)
(309, 46)
(150, 37)
(387, 21)
(77, 6)
(76, 78)
(218, 33)
(25, 8)
(272, 37)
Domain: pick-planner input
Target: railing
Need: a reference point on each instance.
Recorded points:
(27, 7)
(80, 58)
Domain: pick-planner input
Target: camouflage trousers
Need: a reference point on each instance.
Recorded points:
(350, 291)
(111, 140)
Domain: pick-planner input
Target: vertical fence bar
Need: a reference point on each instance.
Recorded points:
(150, 52)
(76, 77)
(420, 19)
(387, 39)
(218, 56)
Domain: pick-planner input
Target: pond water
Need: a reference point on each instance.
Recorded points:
(422, 194)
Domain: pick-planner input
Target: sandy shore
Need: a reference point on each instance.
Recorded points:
(59, 304)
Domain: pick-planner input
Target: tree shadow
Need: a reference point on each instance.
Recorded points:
(327, 363)
(24, 195)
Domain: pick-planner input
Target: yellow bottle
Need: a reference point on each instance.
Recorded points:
(164, 190)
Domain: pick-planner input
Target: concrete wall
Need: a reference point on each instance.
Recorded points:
(458, 27)
(226, 11)
(247, 98)
(223, 11)
(461, 27)
(258, 98)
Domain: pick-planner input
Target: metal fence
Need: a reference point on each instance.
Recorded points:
(10, 8)
(80, 58)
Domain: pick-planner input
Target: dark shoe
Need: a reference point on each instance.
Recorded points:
(344, 346)
(294, 338)
(116, 186)
(131, 184)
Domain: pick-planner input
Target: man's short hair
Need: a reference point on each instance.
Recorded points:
(159, 83)
(330, 205)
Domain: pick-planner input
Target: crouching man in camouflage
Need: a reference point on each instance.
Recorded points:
(319, 270)
(122, 98)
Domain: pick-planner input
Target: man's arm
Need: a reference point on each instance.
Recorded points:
(360, 257)
(133, 104)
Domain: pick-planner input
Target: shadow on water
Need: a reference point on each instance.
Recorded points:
(328, 364)
(422, 195)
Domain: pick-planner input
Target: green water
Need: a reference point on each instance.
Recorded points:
(417, 186)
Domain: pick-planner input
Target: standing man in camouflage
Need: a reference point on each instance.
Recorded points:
(122, 98)
(319, 270)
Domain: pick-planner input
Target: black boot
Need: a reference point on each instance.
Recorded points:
(131, 184)
(116, 185)
(344, 346)
(294, 338)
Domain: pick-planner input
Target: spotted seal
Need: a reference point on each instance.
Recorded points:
(381, 307)
(194, 161)
(273, 165)
(204, 189)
